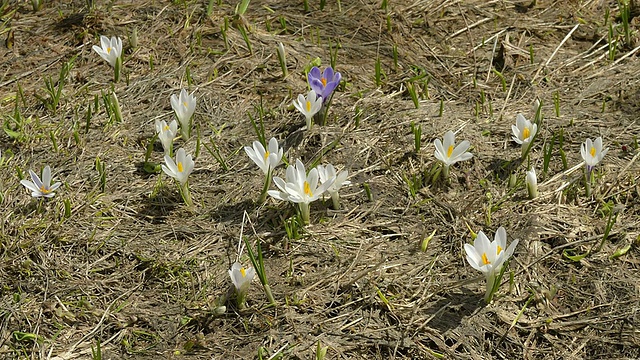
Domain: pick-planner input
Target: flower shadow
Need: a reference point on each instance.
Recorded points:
(504, 168)
(232, 212)
(448, 312)
(155, 209)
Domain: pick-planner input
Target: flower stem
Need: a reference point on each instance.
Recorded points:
(267, 290)
(489, 288)
(265, 188)
(445, 172)
(309, 122)
(186, 195)
(240, 300)
(304, 213)
(587, 182)
(325, 109)
(335, 198)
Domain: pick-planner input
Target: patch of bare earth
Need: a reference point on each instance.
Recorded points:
(135, 269)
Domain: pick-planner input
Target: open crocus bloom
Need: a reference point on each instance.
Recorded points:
(592, 152)
(308, 106)
(267, 159)
(324, 84)
(184, 105)
(523, 132)
(181, 168)
(489, 257)
(448, 152)
(241, 277)
(41, 188)
(299, 187)
(339, 179)
(110, 50)
(166, 134)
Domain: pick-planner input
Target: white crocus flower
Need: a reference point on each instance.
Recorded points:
(592, 152)
(448, 153)
(488, 257)
(308, 106)
(109, 49)
(329, 173)
(266, 159)
(184, 105)
(532, 183)
(41, 188)
(241, 278)
(523, 132)
(300, 188)
(181, 168)
(166, 134)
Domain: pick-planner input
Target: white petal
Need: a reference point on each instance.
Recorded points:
(449, 140)
(35, 179)
(278, 195)
(460, 149)
(29, 185)
(46, 176)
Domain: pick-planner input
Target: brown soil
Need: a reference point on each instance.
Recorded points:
(133, 268)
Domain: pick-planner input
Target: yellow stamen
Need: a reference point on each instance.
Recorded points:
(243, 272)
(307, 189)
(525, 133)
(324, 81)
(166, 127)
(484, 259)
(308, 105)
(449, 151)
(266, 155)
(180, 168)
(108, 50)
(44, 190)
(499, 249)
(593, 151)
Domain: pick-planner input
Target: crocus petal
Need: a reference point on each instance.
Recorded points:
(46, 176)
(104, 42)
(473, 258)
(171, 165)
(280, 184)
(273, 146)
(449, 139)
(511, 248)
(314, 73)
(440, 154)
(30, 185)
(501, 237)
(516, 134)
(55, 186)
(464, 157)
(328, 74)
(482, 243)
(317, 86)
(35, 179)
(282, 196)
(460, 149)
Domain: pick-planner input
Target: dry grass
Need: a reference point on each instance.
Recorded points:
(133, 268)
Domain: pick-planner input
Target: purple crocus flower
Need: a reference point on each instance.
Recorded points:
(324, 84)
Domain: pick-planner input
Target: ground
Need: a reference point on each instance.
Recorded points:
(117, 258)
